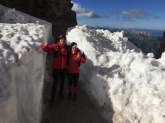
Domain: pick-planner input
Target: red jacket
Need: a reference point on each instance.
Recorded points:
(60, 61)
(73, 62)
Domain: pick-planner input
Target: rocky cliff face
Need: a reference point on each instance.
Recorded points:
(57, 12)
(162, 47)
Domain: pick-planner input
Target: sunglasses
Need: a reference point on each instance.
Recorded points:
(74, 46)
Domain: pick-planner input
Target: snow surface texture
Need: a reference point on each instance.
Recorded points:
(22, 64)
(12, 16)
(118, 76)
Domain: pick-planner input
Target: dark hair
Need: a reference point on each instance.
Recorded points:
(73, 43)
(62, 37)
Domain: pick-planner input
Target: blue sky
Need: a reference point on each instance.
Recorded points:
(144, 14)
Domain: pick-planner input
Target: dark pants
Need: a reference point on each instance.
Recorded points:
(73, 79)
(58, 74)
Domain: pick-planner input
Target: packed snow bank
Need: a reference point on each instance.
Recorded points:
(22, 64)
(119, 74)
(12, 16)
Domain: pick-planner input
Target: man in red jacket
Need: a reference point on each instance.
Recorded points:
(59, 63)
(74, 60)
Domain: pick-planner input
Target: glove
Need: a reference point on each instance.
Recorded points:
(83, 55)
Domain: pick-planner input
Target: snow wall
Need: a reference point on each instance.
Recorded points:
(22, 66)
(128, 85)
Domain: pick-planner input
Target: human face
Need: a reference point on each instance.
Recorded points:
(74, 49)
(63, 41)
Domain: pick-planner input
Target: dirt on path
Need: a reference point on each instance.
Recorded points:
(81, 110)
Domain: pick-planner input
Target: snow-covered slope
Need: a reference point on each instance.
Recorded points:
(118, 76)
(22, 64)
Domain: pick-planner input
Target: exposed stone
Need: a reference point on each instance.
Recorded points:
(162, 47)
(57, 12)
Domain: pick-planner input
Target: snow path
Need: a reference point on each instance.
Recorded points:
(83, 110)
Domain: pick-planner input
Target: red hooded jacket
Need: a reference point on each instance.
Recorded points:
(60, 61)
(73, 62)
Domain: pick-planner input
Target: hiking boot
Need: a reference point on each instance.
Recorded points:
(74, 96)
(69, 95)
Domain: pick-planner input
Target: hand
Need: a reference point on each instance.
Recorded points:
(45, 43)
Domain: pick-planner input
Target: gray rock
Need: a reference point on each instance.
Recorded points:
(57, 12)
(162, 47)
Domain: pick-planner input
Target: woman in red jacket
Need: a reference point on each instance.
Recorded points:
(74, 60)
(59, 63)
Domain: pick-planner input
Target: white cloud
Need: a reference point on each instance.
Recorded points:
(133, 14)
(84, 12)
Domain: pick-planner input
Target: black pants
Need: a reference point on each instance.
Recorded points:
(58, 74)
(73, 79)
